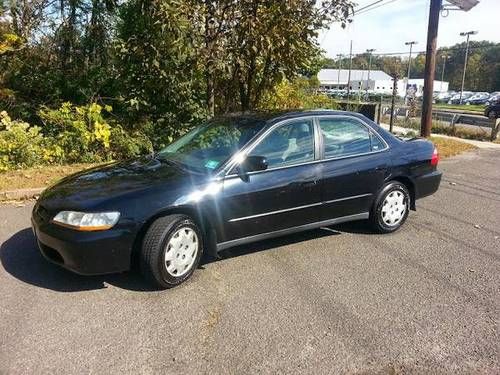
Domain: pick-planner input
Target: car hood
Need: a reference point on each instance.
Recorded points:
(94, 187)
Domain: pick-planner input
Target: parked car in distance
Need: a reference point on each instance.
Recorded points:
(492, 111)
(494, 98)
(455, 99)
(444, 97)
(478, 98)
(234, 180)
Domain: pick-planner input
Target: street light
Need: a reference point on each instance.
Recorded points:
(466, 34)
(464, 5)
(409, 64)
(445, 58)
(339, 56)
(370, 52)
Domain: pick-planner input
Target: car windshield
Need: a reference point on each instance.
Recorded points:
(208, 146)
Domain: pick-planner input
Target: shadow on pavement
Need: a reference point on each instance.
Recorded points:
(21, 258)
(360, 227)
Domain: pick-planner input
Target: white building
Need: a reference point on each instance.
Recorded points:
(418, 86)
(379, 83)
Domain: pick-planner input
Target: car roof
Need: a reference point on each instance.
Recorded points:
(310, 112)
(272, 117)
(276, 116)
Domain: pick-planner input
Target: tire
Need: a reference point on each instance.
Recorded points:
(165, 257)
(492, 115)
(388, 213)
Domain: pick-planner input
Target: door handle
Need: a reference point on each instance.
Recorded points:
(308, 183)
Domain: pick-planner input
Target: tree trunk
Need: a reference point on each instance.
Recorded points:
(209, 46)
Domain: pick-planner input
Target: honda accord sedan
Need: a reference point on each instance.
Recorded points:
(231, 181)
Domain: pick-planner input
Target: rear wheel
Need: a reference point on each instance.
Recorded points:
(171, 250)
(391, 208)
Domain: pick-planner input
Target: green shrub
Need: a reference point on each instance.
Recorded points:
(70, 134)
(125, 145)
(81, 132)
(85, 135)
(21, 145)
(298, 94)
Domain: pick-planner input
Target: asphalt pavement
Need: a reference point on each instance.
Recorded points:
(337, 300)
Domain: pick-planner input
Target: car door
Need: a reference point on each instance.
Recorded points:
(354, 166)
(286, 194)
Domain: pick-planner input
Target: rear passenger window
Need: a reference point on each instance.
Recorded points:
(377, 144)
(344, 137)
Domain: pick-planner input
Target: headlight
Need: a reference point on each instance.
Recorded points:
(86, 221)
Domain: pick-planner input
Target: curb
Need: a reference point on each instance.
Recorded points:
(20, 194)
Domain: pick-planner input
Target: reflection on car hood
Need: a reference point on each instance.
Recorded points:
(92, 187)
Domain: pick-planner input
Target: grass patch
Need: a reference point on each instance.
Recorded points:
(38, 177)
(450, 147)
(467, 108)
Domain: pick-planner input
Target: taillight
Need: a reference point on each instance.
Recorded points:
(435, 157)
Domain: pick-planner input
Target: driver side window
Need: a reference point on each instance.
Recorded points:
(289, 144)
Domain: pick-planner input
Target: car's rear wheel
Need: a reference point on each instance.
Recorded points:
(391, 208)
(171, 250)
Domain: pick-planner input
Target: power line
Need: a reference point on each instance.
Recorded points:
(442, 50)
(366, 6)
(363, 10)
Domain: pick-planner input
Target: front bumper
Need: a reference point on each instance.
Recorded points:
(85, 253)
(427, 184)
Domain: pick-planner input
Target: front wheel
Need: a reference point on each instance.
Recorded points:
(171, 250)
(391, 208)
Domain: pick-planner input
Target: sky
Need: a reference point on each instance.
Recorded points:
(388, 27)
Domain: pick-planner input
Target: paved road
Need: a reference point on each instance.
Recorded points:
(423, 300)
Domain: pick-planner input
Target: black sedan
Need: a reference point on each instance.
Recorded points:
(231, 181)
(492, 111)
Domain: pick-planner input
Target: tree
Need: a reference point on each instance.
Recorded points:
(157, 66)
(276, 40)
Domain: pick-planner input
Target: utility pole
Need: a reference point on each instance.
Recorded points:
(409, 64)
(369, 51)
(467, 34)
(430, 68)
(349, 77)
(339, 56)
(394, 93)
(430, 58)
(444, 57)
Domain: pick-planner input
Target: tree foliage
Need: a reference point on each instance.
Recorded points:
(163, 65)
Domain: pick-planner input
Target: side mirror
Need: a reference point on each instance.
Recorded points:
(253, 164)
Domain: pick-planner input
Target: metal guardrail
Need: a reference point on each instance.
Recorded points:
(452, 117)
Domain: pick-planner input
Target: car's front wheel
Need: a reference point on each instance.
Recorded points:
(171, 250)
(391, 208)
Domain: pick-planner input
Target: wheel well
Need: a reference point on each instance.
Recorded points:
(202, 222)
(411, 188)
